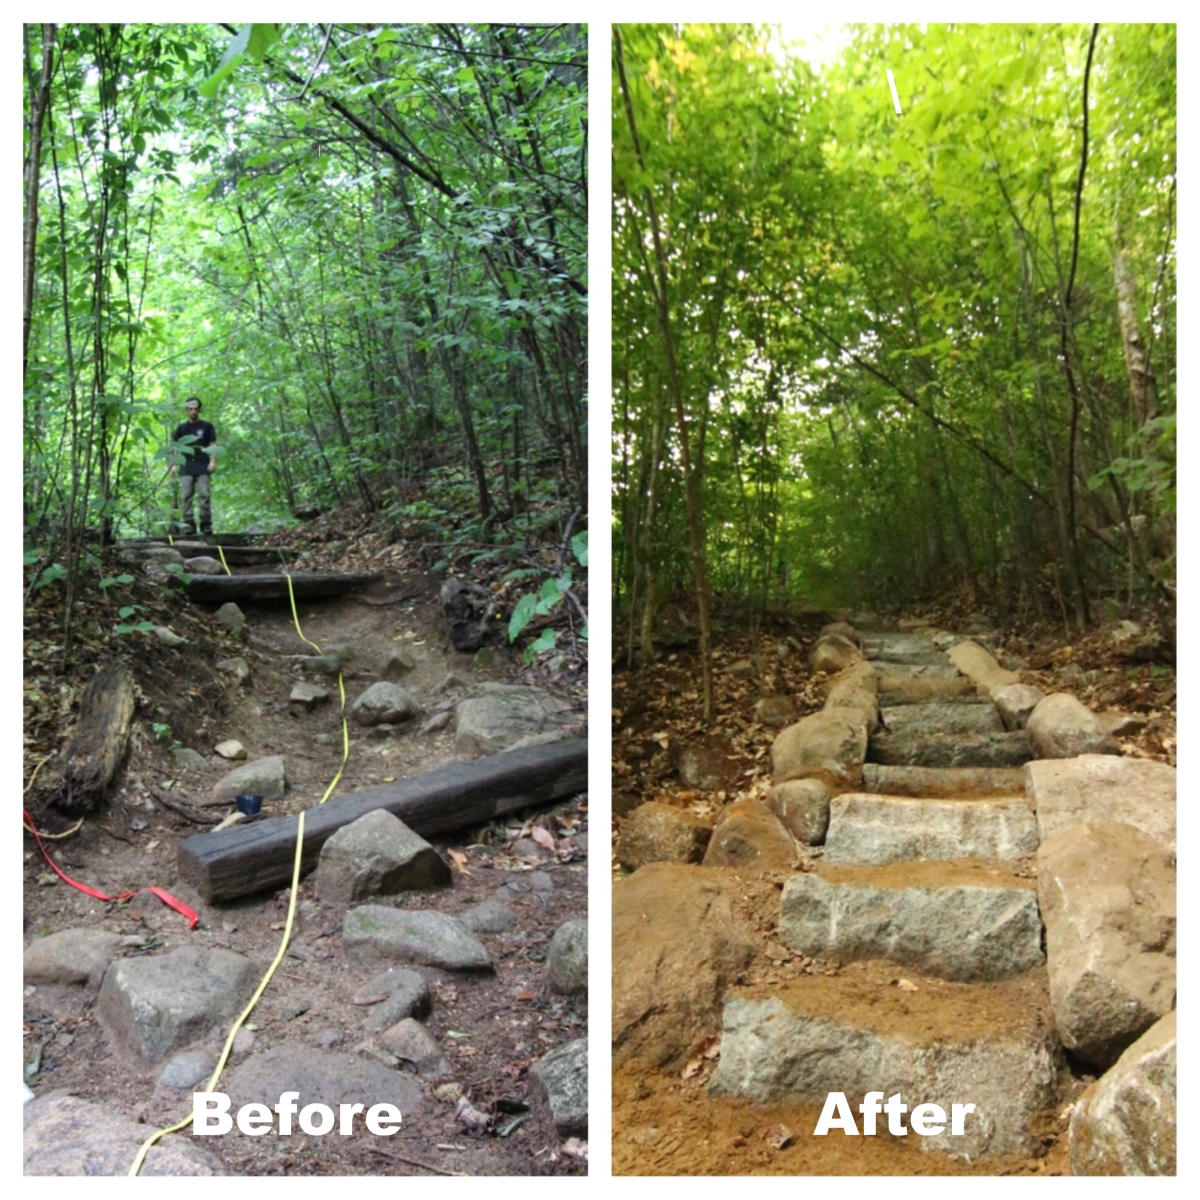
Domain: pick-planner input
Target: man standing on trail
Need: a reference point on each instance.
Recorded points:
(198, 465)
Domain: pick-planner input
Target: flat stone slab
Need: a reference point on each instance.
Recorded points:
(1124, 1124)
(944, 782)
(980, 667)
(422, 936)
(907, 648)
(155, 1006)
(890, 673)
(785, 1046)
(560, 1080)
(953, 932)
(951, 750)
(879, 829)
(65, 1135)
(924, 719)
(1099, 788)
(321, 1077)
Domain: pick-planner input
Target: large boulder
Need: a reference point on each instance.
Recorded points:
(677, 946)
(830, 745)
(857, 690)
(1061, 727)
(1107, 896)
(656, 832)
(1124, 1124)
(750, 836)
(832, 654)
(1099, 788)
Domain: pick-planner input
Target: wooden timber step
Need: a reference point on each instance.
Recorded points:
(258, 855)
(235, 556)
(869, 828)
(217, 589)
(943, 782)
(226, 539)
(857, 1032)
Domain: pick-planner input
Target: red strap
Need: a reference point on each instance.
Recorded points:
(193, 918)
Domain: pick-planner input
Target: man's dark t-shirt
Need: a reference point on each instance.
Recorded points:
(195, 461)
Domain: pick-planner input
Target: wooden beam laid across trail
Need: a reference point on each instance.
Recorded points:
(219, 588)
(235, 556)
(259, 855)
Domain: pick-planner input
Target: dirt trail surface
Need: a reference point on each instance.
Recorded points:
(491, 1026)
(774, 977)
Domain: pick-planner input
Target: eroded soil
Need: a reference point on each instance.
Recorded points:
(491, 1027)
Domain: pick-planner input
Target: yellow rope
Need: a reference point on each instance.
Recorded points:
(287, 929)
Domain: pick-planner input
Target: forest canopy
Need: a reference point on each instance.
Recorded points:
(363, 247)
(864, 356)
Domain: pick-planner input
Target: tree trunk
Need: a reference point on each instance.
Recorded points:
(37, 114)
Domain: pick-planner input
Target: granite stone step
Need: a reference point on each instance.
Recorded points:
(911, 649)
(966, 920)
(944, 782)
(935, 1042)
(951, 750)
(867, 828)
(918, 720)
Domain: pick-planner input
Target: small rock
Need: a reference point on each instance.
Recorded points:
(437, 722)
(448, 683)
(71, 956)
(263, 777)
(231, 750)
(186, 759)
(307, 696)
(400, 662)
(489, 917)
(384, 703)
(187, 1069)
(560, 1080)
(420, 936)
(327, 1039)
(567, 957)
(657, 832)
(168, 636)
(326, 664)
(448, 1093)
(413, 1042)
(239, 668)
(230, 617)
(775, 711)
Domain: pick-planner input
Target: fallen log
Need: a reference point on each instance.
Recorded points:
(257, 856)
(217, 589)
(97, 747)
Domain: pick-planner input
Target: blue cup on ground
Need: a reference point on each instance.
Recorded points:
(249, 806)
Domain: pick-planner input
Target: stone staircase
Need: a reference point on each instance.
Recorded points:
(925, 898)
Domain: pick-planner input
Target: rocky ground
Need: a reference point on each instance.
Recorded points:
(476, 1036)
(806, 947)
